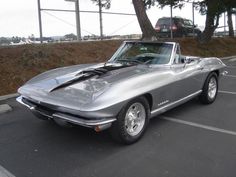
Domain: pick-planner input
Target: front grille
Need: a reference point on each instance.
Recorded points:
(48, 110)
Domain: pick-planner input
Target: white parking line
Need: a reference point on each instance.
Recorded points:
(206, 127)
(5, 173)
(222, 91)
(231, 60)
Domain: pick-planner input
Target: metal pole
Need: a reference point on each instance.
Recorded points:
(100, 18)
(193, 20)
(40, 22)
(235, 26)
(171, 15)
(77, 14)
(224, 24)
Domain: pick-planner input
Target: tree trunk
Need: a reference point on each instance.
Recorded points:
(212, 22)
(148, 32)
(230, 23)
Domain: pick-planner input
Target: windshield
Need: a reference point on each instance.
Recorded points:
(143, 53)
(188, 22)
(164, 21)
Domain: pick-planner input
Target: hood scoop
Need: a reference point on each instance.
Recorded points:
(87, 74)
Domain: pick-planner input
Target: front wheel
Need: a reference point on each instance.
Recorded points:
(131, 121)
(210, 89)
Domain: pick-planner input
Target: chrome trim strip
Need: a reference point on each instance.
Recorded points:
(162, 109)
(33, 109)
(19, 100)
(83, 122)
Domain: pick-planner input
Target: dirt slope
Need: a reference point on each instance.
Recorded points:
(20, 63)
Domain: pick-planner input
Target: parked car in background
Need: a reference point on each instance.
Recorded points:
(181, 27)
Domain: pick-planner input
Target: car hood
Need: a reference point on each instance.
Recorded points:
(78, 85)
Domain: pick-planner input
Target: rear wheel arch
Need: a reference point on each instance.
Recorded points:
(217, 72)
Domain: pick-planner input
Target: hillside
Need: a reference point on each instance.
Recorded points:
(20, 63)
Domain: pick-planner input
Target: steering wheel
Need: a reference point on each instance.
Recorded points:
(146, 57)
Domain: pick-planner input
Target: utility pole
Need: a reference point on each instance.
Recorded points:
(77, 17)
(77, 14)
(100, 18)
(40, 22)
(224, 24)
(171, 23)
(193, 19)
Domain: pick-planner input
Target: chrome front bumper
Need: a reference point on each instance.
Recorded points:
(92, 123)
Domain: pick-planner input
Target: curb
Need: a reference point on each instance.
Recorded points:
(5, 108)
(5, 97)
(228, 58)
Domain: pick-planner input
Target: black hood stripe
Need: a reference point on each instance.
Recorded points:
(89, 73)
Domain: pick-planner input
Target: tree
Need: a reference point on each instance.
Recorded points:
(229, 6)
(148, 32)
(230, 22)
(4, 41)
(70, 37)
(15, 39)
(212, 10)
(104, 3)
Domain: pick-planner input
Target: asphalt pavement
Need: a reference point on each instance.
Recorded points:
(192, 140)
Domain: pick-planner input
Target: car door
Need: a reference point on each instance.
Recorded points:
(187, 76)
(188, 27)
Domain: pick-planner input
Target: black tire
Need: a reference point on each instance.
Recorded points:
(119, 131)
(204, 97)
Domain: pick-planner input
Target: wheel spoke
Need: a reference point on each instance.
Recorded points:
(212, 88)
(135, 119)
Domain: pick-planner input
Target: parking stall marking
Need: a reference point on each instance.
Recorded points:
(232, 60)
(233, 67)
(227, 92)
(5, 173)
(193, 124)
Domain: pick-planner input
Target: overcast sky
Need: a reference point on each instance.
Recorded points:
(20, 18)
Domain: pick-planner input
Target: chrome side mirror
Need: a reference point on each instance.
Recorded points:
(189, 60)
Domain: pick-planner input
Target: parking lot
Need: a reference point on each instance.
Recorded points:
(192, 140)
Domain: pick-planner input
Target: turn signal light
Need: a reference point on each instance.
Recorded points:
(157, 28)
(174, 27)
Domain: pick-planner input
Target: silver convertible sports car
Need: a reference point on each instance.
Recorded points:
(140, 81)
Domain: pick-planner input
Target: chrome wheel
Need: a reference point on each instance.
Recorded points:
(212, 88)
(135, 119)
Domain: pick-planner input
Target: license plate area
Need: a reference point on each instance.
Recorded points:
(164, 30)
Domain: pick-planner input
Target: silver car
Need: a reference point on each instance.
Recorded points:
(140, 81)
